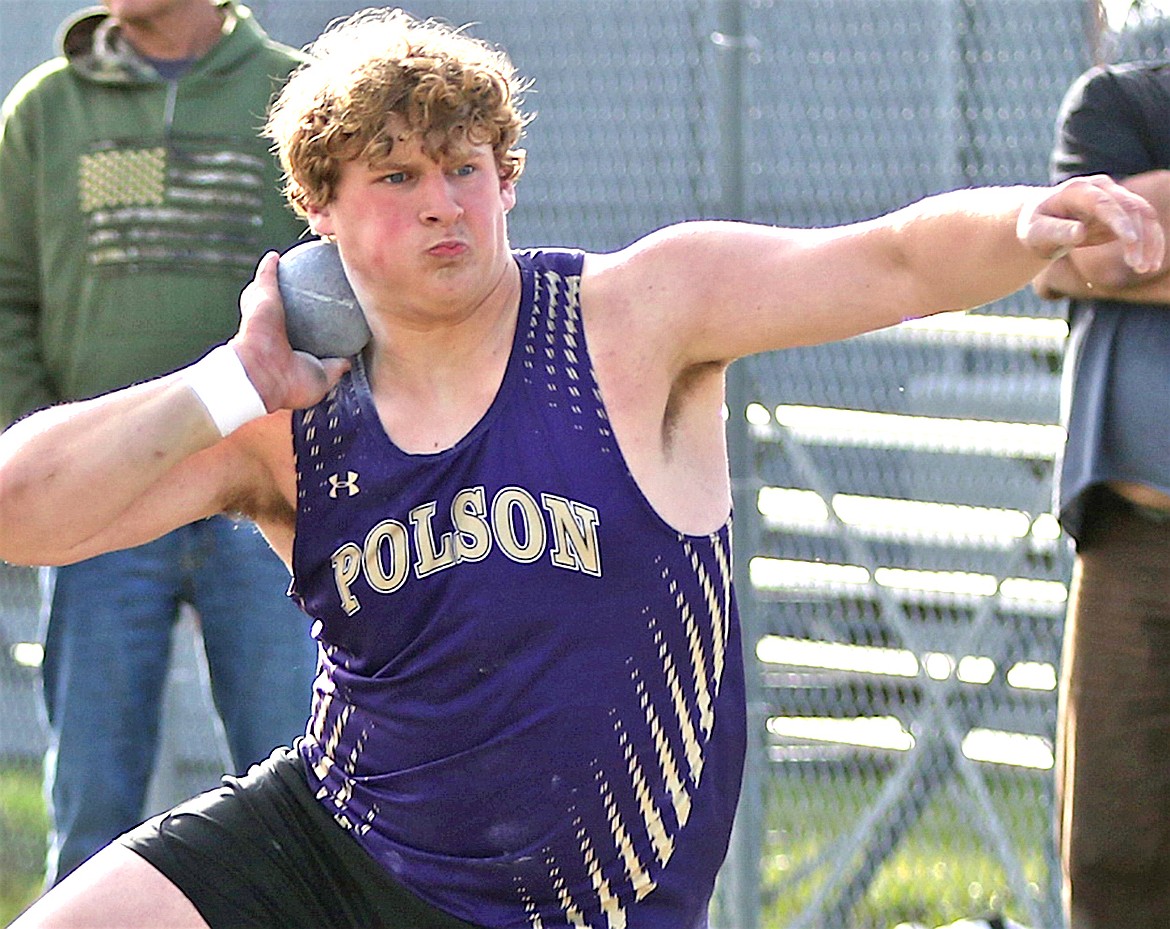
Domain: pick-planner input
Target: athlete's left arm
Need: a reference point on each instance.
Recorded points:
(715, 291)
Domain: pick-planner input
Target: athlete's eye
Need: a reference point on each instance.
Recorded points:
(395, 177)
(464, 170)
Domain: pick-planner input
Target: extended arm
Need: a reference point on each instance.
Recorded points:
(718, 291)
(118, 470)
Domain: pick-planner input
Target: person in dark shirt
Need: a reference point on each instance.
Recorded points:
(1113, 499)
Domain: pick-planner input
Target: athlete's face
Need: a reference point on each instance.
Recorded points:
(421, 237)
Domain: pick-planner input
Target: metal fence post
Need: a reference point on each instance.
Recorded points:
(739, 887)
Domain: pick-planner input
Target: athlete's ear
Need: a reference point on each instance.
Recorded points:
(508, 194)
(320, 220)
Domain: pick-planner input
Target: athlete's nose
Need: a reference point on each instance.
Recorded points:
(440, 206)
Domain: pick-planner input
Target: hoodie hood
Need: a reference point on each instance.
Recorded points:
(93, 43)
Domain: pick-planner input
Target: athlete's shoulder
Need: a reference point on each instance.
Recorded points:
(565, 261)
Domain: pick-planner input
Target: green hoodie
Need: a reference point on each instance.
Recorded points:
(134, 209)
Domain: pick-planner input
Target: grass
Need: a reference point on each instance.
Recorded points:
(23, 825)
(943, 869)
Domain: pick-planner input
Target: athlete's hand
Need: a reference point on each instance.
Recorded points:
(285, 379)
(1091, 211)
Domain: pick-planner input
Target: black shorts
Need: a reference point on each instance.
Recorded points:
(260, 851)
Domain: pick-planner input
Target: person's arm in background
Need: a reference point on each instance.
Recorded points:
(24, 382)
(1102, 129)
(1101, 272)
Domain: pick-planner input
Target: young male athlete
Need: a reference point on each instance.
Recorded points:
(508, 517)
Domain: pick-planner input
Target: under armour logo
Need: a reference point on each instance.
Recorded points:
(349, 482)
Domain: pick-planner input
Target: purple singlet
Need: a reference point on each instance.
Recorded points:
(530, 708)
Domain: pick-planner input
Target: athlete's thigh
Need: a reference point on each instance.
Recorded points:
(115, 887)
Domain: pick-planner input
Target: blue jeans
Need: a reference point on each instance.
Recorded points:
(107, 648)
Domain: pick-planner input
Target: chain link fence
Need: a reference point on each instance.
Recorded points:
(901, 578)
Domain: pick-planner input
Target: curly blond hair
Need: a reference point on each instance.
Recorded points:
(448, 88)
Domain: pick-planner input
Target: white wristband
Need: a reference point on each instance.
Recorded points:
(222, 385)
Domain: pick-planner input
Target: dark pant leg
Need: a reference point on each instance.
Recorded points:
(1114, 726)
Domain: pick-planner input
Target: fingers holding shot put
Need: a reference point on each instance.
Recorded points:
(284, 376)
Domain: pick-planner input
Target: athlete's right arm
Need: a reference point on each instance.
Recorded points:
(89, 477)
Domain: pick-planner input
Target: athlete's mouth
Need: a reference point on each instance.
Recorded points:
(450, 248)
